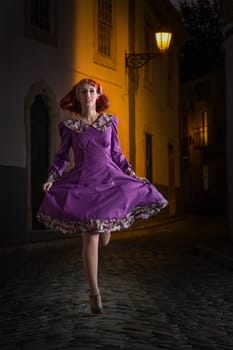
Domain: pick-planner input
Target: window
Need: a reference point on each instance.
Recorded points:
(40, 20)
(40, 15)
(105, 41)
(204, 127)
(104, 27)
(200, 133)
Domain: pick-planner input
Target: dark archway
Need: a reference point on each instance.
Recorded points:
(39, 153)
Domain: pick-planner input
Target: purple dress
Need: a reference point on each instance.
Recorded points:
(101, 192)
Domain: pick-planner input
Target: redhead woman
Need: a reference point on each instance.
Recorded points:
(101, 193)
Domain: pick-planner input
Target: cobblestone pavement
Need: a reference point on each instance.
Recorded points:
(158, 293)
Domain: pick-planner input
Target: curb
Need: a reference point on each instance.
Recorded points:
(65, 241)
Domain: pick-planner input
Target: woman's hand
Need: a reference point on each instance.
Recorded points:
(47, 185)
(143, 179)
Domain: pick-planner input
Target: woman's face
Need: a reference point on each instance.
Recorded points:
(87, 95)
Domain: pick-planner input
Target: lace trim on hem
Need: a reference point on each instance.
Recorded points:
(101, 225)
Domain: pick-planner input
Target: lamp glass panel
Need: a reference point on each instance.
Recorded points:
(163, 40)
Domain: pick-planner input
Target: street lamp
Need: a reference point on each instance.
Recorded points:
(138, 60)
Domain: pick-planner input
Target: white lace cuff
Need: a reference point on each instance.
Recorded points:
(130, 172)
(53, 176)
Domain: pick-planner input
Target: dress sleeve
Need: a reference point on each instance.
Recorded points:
(117, 155)
(61, 158)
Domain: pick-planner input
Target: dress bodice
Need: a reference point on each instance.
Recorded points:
(93, 145)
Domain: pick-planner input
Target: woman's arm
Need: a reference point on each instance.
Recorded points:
(61, 158)
(117, 155)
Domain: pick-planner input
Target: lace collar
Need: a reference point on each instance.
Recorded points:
(100, 124)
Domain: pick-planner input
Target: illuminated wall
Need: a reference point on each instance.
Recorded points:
(34, 65)
(85, 62)
(156, 103)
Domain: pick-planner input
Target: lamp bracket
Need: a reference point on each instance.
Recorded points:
(138, 60)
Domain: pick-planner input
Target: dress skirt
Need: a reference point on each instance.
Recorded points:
(101, 193)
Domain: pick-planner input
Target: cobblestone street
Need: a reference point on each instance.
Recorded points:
(158, 292)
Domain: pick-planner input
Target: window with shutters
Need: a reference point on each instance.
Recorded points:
(105, 33)
(40, 20)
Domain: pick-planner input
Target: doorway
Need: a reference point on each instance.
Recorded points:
(39, 154)
(171, 179)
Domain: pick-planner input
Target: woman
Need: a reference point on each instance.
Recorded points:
(101, 194)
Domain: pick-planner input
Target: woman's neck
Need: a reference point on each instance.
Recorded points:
(88, 114)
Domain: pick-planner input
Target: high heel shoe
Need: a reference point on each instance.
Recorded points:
(96, 304)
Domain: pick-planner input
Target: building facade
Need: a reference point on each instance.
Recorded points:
(48, 47)
(203, 144)
(228, 31)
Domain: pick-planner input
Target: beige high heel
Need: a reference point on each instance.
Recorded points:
(96, 303)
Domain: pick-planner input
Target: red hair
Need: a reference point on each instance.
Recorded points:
(69, 101)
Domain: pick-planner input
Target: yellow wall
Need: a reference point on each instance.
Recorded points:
(154, 113)
(152, 110)
(83, 64)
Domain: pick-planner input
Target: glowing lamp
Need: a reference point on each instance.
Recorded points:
(138, 60)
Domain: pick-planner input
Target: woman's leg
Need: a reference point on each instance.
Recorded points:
(104, 238)
(90, 260)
